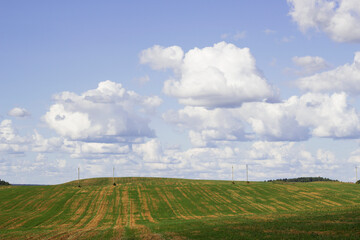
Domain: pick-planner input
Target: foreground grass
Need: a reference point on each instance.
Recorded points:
(336, 224)
(154, 208)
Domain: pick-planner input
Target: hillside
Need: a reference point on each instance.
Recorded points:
(167, 208)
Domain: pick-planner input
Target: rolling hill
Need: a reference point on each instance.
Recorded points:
(162, 208)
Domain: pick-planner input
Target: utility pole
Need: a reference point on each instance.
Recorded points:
(356, 178)
(232, 174)
(114, 176)
(247, 174)
(79, 177)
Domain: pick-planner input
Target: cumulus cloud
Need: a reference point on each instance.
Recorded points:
(328, 115)
(151, 151)
(266, 160)
(289, 159)
(295, 119)
(219, 76)
(355, 157)
(207, 125)
(10, 141)
(42, 144)
(343, 78)
(309, 65)
(298, 118)
(271, 154)
(338, 19)
(93, 150)
(159, 57)
(274, 122)
(18, 112)
(108, 113)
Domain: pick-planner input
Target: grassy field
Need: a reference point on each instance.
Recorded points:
(156, 208)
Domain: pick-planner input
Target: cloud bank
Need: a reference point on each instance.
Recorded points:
(340, 20)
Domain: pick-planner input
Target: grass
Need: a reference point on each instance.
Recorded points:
(158, 208)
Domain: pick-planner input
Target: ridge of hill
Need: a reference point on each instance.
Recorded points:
(166, 208)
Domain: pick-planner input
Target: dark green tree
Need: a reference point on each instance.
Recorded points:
(304, 179)
(2, 182)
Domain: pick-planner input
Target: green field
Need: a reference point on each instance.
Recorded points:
(158, 208)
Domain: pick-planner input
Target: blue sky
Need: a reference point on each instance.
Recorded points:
(179, 89)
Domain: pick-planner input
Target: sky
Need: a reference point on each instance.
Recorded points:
(184, 89)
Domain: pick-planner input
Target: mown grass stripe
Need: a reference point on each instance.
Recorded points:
(98, 210)
(86, 215)
(65, 211)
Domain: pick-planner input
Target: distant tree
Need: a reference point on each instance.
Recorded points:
(358, 182)
(304, 179)
(2, 182)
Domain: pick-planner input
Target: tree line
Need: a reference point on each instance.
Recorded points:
(2, 182)
(304, 179)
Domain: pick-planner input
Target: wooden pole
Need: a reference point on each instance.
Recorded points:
(247, 174)
(356, 178)
(232, 174)
(114, 176)
(78, 176)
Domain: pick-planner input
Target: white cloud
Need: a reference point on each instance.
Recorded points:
(298, 118)
(93, 150)
(10, 141)
(309, 64)
(108, 113)
(151, 151)
(295, 119)
(219, 76)
(61, 163)
(142, 80)
(269, 31)
(326, 157)
(328, 115)
(274, 122)
(41, 144)
(338, 19)
(210, 163)
(18, 112)
(271, 154)
(355, 157)
(159, 57)
(208, 126)
(343, 78)
(267, 160)
(289, 159)
(240, 35)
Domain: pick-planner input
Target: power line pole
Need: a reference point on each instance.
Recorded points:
(232, 174)
(78, 176)
(114, 176)
(356, 178)
(247, 174)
